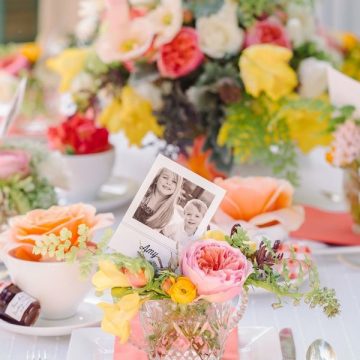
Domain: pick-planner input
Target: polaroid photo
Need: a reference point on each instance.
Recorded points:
(173, 207)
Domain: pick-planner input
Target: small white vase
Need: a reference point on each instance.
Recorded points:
(58, 286)
(87, 173)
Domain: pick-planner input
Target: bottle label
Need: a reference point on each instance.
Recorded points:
(3, 285)
(18, 305)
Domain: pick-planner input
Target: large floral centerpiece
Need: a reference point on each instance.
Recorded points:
(247, 77)
(192, 310)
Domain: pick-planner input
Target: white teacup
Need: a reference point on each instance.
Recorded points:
(86, 174)
(57, 285)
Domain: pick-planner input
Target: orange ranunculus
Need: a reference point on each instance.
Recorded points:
(261, 201)
(37, 223)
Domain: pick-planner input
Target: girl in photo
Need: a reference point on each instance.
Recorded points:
(157, 207)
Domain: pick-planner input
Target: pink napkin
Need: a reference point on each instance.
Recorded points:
(127, 351)
(329, 227)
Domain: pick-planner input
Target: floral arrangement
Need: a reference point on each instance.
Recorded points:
(213, 270)
(247, 77)
(78, 135)
(28, 175)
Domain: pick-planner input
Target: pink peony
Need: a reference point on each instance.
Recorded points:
(218, 270)
(14, 162)
(180, 56)
(267, 32)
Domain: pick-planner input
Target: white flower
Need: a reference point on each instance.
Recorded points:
(301, 25)
(167, 19)
(150, 92)
(67, 106)
(219, 33)
(313, 77)
(89, 13)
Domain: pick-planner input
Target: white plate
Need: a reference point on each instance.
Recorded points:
(93, 343)
(87, 315)
(115, 193)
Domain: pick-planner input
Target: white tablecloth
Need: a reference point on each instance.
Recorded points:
(308, 325)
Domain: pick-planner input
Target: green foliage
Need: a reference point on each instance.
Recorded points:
(309, 49)
(204, 7)
(341, 115)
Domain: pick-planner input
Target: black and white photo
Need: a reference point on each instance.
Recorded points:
(173, 207)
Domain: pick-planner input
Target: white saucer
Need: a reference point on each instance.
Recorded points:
(93, 343)
(87, 315)
(115, 193)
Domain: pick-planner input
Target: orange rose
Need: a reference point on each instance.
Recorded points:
(37, 223)
(260, 201)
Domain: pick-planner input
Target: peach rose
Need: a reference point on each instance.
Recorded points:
(37, 223)
(259, 201)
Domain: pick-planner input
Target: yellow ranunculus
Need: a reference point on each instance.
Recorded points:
(68, 65)
(183, 291)
(31, 51)
(349, 40)
(214, 235)
(117, 317)
(109, 277)
(265, 68)
(131, 114)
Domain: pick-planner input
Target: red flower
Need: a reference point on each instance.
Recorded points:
(78, 135)
(267, 32)
(180, 56)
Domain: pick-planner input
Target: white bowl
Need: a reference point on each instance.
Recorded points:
(86, 174)
(57, 285)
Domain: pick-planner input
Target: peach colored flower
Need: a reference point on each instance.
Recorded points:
(180, 56)
(37, 223)
(260, 201)
(218, 270)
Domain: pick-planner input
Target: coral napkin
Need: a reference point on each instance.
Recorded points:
(329, 227)
(127, 351)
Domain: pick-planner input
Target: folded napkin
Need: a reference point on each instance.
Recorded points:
(329, 227)
(128, 351)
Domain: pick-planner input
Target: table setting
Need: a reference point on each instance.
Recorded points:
(186, 185)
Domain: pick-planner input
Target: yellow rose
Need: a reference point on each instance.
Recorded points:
(109, 277)
(68, 65)
(183, 291)
(214, 235)
(265, 68)
(31, 51)
(131, 114)
(117, 317)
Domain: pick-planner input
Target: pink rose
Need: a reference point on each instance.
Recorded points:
(180, 56)
(217, 269)
(267, 32)
(14, 162)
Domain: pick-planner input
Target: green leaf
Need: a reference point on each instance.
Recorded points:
(203, 8)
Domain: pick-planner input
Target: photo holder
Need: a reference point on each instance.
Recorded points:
(133, 236)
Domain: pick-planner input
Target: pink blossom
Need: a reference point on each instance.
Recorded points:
(180, 56)
(14, 162)
(217, 269)
(14, 63)
(267, 32)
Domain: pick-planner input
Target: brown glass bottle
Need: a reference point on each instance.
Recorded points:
(16, 306)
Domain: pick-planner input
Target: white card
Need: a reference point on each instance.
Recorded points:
(173, 207)
(14, 108)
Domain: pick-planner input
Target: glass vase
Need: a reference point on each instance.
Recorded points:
(352, 193)
(195, 331)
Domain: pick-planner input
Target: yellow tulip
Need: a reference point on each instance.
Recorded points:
(31, 51)
(265, 68)
(117, 317)
(183, 291)
(131, 114)
(68, 65)
(109, 277)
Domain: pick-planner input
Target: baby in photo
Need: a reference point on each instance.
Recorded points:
(194, 212)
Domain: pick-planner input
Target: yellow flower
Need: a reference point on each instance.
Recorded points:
(183, 291)
(68, 65)
(117, 317)
(265, 68)
(109, 277)
(349, 40)
(214, 235)
(308, 128)
(31, 51)
(131, 114)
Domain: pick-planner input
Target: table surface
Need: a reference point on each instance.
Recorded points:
(307, 325)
